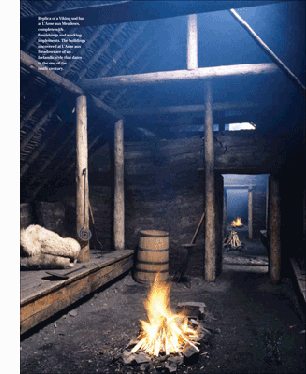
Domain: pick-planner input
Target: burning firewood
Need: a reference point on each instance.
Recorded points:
(166, 332)
(237, 223)
(168, 339)
(232, 241)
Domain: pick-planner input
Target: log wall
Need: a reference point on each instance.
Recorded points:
(259, 211)
(26, 215)
(52, 216)
(163, 187)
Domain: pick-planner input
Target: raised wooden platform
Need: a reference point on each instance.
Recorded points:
(43, 295)
(300, 276)
(264, 239)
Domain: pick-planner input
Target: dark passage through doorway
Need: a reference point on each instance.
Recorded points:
(245, 197)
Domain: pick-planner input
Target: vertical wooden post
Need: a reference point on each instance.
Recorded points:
(250, 212)
(119, 212)
(274, 230)
(192, 42)
(82, 216)
(225, 212)
(210, 242)
(267, 206)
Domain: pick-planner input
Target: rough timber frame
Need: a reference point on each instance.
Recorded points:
(192, 73)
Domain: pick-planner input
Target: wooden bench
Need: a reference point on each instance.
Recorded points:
(43, 295)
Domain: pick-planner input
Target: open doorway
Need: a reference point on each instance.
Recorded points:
(244, 217)
(237, 205)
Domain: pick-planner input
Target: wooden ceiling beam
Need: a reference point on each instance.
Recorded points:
(49, 75)
(63, 83)
(184, 109)
(163, 77)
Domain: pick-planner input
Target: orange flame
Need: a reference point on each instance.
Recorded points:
(237, 223)
(165, 332)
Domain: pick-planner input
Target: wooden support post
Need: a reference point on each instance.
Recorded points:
(91, 144)
(267, 206)
(119, 213)
(225, 213)
(82, 216)
(250, 212)
(192, 42)
(274, 230)
(210, 242)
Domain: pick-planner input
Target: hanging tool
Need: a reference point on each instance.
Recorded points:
(180, 273)
(84, 233)
(94, 226)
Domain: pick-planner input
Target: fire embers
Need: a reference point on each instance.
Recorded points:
(167, 339)
(237, 223)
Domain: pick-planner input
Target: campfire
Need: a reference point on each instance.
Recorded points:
(166, 332)
(167, 339)
(237, 223)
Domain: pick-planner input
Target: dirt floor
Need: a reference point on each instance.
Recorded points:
(256, 327)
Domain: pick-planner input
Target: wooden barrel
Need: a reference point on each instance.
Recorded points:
(152, 256)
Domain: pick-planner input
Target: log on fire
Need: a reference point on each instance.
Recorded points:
(232, 241)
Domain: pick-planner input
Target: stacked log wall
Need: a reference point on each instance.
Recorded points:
(177, 211)
(26, 215)
(163, 186)
(259, 211)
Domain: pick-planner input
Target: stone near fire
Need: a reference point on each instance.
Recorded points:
(142, 358)
(144, 367)
(193, 310)
(127, 357)
(178, 360)
(191, 354)
(172, 367)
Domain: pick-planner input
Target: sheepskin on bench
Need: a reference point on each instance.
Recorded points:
(45, 248)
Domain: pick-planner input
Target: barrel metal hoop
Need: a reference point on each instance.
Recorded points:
(154, 250)
(165, 235)
(153, 263)
(151, 271)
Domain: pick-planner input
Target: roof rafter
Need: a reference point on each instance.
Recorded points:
(63, 83)
(162, 77)
(184, 109)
